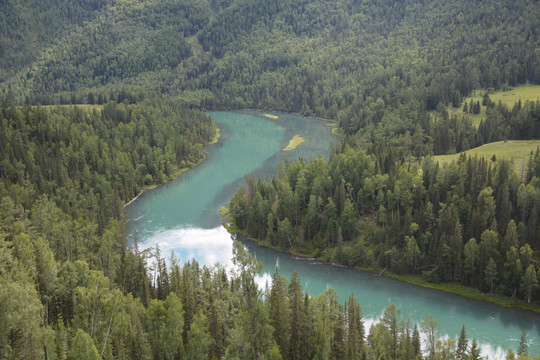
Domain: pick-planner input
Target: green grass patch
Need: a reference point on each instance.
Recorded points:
(224, 211)
(216, 137)
(517, 151)
(468, 292)
(271, 116)
(294, 142)
(508, 97)
(85, 107)
(338, 132)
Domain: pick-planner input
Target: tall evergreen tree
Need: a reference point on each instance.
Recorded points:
(279, 311)
(462, 344)
(523, 344)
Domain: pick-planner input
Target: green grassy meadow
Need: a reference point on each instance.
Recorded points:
(509, 98)
(517, 151)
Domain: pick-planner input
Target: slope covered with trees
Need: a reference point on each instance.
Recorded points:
(347, 60)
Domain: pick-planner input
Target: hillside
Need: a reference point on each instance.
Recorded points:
(329, 59)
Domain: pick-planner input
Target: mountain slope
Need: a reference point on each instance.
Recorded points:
(324, 58)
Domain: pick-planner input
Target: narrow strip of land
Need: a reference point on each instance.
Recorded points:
(294, 142)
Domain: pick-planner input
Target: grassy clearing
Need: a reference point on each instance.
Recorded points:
(294, 142)
(509, 98)
(471, 293)
(224, 211)
(215, 138)
(85, 107)
(517, 151)
(271, 116)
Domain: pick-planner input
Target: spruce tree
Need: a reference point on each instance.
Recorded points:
(523, 344)
(278, 311)
(416, 342)
(296, 317)
(491, 274)
(474, 351)
(461, 350)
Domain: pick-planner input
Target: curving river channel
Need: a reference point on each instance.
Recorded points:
(183, 217)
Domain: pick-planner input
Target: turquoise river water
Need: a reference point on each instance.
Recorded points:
(183, 217)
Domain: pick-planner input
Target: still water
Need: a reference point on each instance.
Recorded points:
(183, 217)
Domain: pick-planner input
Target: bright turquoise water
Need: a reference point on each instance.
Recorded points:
(183, 217)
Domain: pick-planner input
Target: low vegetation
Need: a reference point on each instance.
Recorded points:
(295, 141)
(518, 153)
(507, 97)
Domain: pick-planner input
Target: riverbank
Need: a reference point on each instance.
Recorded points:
(179, 172)
(453, 288)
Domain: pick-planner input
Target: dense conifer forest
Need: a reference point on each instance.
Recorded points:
(102, 98)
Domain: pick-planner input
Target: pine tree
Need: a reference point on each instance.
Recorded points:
(529, 283)
(355, 333)
(474, 351)
(390, 320)
(278, 311)
(491, 274)
(485, 99)
(477, 107)
(461, 350)
(296, 316)
(523, 344)
(416, 342)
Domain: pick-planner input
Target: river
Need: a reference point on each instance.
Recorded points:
(183, 217)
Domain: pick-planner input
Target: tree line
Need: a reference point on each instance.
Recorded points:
(346, 60)
(159, 311)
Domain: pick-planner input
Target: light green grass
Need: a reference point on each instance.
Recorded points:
(468, 292)
(224, 211)
(86, 107)
(294, 142)
(509, 98)
(216, 137)
(516, 151)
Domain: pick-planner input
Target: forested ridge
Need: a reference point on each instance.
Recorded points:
(346, 60)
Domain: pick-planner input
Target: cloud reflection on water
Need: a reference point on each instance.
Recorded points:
(207, 246)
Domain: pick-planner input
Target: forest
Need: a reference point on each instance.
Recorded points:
(100, 99)
(70, 288)
(346, 60)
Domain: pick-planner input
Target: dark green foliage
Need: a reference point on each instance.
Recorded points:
(461, 350)
(474, 351)
(345, 60)
(523, 344)
(64, 174)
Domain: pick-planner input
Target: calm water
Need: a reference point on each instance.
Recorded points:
(183, 217)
